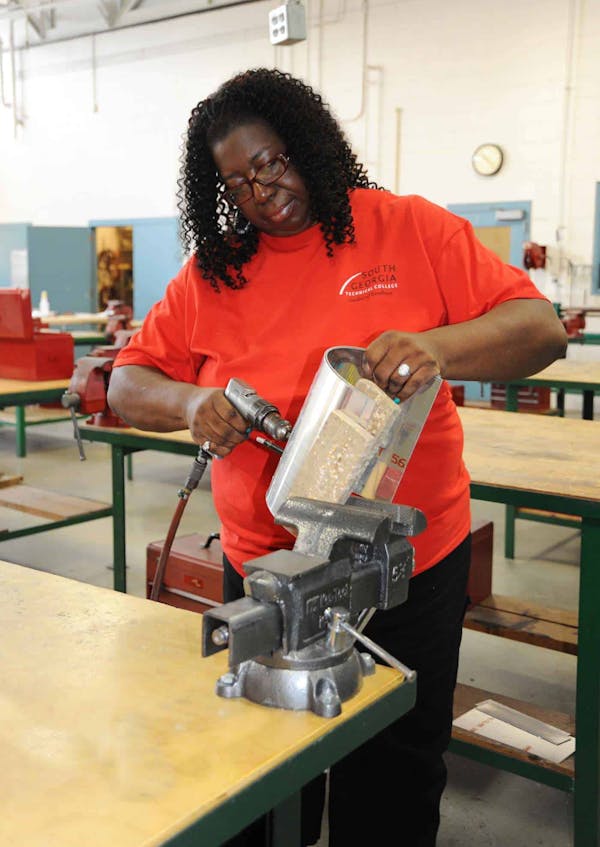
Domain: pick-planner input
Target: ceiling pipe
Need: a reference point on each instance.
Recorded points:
(17, 122)
(2, 96)
(112, 11)
(15, 8)
(574, 24)
(364, 46)
(138, 24)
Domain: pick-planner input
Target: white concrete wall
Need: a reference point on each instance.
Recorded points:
(417, 84)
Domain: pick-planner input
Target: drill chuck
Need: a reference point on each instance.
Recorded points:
(259, 413)
(271, 423)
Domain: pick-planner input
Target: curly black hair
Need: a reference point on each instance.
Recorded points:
(314, 142)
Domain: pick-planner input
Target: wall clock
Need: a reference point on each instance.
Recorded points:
(487, 159)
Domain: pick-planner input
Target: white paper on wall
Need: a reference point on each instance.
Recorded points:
(19, 268)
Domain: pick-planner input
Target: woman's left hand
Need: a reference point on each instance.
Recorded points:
(401, 363)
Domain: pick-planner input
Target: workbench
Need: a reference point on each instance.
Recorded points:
(111, 733)
(550, 464)
(55, 509)
(97, 319)
(124, 441)
(21, 393)
(562, 376)
(533, 461)
(85, 337)
(75, 319)
(586, 338)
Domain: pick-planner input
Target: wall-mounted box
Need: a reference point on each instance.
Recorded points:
(287, 24)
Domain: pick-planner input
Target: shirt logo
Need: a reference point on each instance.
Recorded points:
(380, 279)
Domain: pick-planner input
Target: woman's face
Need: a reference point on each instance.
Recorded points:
(281, 208)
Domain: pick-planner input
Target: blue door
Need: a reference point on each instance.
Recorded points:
(60, 263)
(157, 257)
(504, 228)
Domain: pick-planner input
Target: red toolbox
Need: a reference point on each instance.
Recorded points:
(27, 351)
(194, 572)
(530, 398)
(479, 585)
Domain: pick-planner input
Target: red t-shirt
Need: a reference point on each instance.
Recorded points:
(413, 266)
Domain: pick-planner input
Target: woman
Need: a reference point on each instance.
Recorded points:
(294, 250)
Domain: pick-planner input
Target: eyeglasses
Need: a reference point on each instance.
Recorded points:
(268, 173)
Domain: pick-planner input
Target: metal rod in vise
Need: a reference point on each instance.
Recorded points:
(71, 401)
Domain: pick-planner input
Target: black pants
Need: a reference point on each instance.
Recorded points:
(395, 781)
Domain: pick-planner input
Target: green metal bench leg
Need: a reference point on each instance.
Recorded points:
(511, 403)
(130, 466)
(118, 482)
(509, 532)
(20, 431)
(587, 718)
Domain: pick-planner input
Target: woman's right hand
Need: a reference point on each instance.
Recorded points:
(211, 418)
(150, 400)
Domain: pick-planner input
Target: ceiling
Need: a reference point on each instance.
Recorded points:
(37, 22)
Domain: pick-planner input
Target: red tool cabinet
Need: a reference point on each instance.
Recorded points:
(194, 572)
(479, 585)
(530, 398)
(27, 351)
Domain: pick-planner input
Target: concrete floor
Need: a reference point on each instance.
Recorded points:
(482, 807)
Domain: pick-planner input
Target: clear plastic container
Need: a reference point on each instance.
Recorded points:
(44, 309)
(350, 437)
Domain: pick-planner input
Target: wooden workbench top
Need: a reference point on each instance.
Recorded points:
(570, 370)
(87, 333)
(10, 386)
(110, 730)
(180, 436)
(82, 319)
(76, 319)
(533, 452)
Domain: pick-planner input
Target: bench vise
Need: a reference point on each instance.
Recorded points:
(88, 389)
(291, 638)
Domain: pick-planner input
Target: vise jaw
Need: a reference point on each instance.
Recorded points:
(287, 647)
